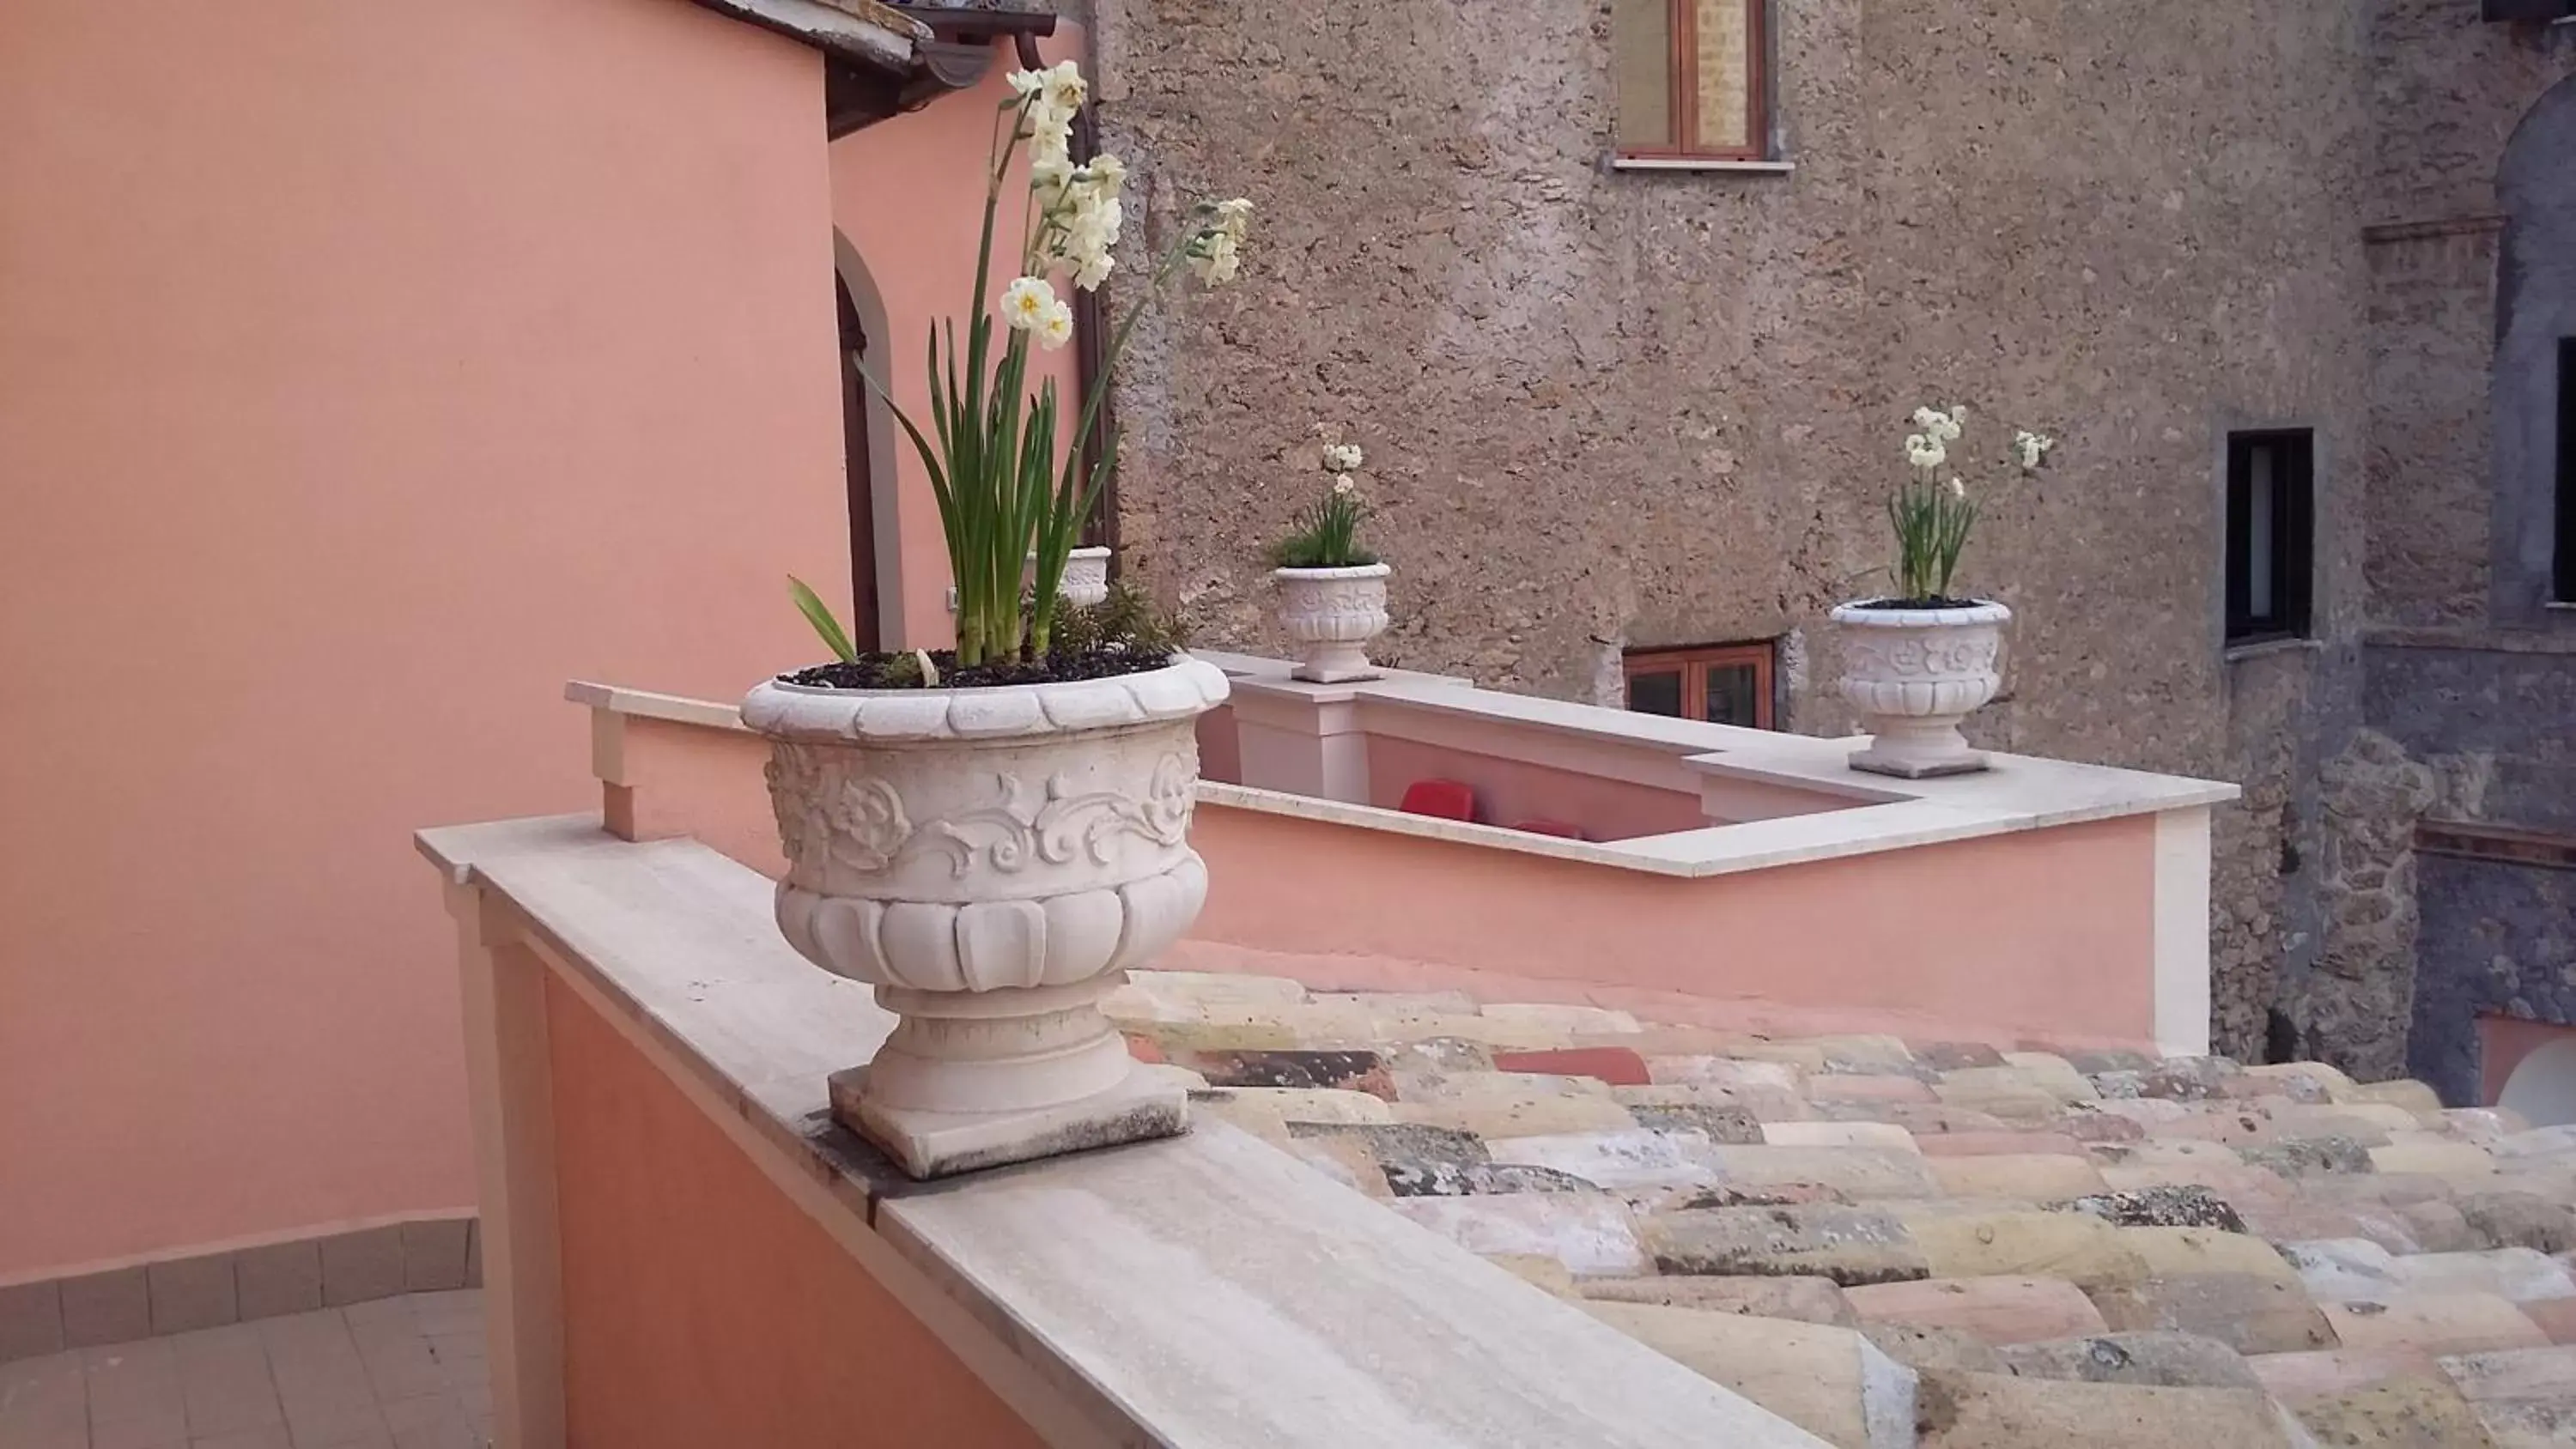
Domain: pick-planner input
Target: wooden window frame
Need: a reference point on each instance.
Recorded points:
(2293, 537)
(1694, 663)
(1681, 83)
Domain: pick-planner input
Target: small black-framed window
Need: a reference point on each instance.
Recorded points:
(2271, 492)
(2563, 576)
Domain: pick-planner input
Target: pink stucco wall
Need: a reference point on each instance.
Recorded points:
(1510, 792)
(701, 1307)
(365, 372)
(2045, 934)
(2041, 935)
(908, 194)
(2504, 1043)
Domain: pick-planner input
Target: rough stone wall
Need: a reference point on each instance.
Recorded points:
(2465, 718)
(2477, 734)
(1610, 409)
(2449, 95)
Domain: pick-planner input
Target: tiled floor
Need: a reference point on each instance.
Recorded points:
(397, 1373)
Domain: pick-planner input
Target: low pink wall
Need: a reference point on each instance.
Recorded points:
(2503, 1042)
(344, 421)
(682, 779)
(701, 1307)
(1509, 792)
(2045, 934)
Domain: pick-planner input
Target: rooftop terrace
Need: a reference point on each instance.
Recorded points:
(1414, 1218)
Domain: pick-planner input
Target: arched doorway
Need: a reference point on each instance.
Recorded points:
(858, 465)
(2535, 393)
(868, 459)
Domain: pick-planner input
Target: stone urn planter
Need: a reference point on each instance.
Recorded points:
(992, 861)
(1086, 577)
(1914, 674)
(1332, 614)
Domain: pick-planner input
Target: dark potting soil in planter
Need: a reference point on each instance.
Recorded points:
(903, 671)
(1892, 605)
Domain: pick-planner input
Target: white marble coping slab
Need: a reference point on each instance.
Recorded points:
(1857, 814)
(645, 704)
(1205, 1292)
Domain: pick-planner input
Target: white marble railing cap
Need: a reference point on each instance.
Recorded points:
(1202, 1291)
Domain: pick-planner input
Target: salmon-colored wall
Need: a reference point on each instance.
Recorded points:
(1509, 792)
(365, 372)
(683, 779)
(909, 195)
(2044, 933)
(701, 1307)
(2503, 1042)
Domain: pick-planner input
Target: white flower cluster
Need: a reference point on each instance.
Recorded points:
(1342, 458)
(2032, 448)
(1930, 448)
(1079, 213)
(1213, 253)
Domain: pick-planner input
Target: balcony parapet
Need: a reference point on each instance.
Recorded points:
(665, 1194)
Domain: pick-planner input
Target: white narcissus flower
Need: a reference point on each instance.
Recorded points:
(1214, 259)
(1927, 418)
(1027, 301)
(1342, 457)
(1234, 217)
(1055, 327)
(1065, 89)
(1958, 486)
(1925, 452)
(1107, 173)
(1343, 483)
(1050, 144)
(1090, 271)
(1050, 177)
(2032, 448)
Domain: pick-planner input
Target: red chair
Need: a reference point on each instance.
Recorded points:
(1552, 827)
(1447, 799)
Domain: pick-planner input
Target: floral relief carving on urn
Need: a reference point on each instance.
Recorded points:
(993, 871)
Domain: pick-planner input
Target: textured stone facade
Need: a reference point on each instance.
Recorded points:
(1611, 410)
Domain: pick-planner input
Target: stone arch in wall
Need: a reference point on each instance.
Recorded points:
(2543, 1087)
(2535, 315)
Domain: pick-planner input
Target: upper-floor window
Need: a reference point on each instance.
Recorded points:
(2564, 575)
(1724, 683)
(1692, 79)
(2271, 486)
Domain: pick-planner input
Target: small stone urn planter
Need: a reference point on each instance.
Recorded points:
(1332, 614)
(992, 861)
(1914, 674)
(1086, 577)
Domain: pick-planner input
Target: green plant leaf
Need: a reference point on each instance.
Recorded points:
(819, 614)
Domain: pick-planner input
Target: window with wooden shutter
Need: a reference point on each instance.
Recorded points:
(1720, 683)
(1691, 78)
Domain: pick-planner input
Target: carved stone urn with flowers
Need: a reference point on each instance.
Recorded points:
(991, 835)
(1332, 591)
(1918, 662)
